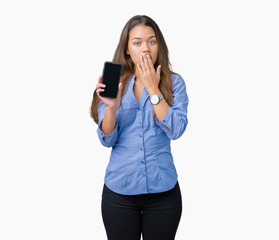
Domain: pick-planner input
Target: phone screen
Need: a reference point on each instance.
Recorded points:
(111, 77)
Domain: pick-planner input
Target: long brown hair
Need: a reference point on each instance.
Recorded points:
(120, 56)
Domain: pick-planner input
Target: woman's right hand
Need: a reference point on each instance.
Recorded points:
(109, 102)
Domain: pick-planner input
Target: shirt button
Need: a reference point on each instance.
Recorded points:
(140, 136)
(142, 161)
(138, 108)
(143, 174)
(141, 149)
(164, 121)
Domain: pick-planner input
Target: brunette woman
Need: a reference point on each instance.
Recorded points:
(141, 194)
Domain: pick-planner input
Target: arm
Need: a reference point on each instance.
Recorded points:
(107, 126)
(173, 120)
(109, 122)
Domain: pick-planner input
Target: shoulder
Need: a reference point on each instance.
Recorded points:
(178, 81)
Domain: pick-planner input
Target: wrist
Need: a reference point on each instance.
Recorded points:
(111, 109)
(154, 91)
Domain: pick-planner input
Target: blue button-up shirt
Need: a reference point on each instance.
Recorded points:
(141, 160)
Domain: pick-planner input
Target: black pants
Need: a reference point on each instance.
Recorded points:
(155, 215)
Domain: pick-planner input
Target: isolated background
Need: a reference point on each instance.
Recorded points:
(52, 164)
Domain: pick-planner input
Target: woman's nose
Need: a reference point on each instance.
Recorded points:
(146, 48)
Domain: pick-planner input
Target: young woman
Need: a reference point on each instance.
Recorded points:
(141, 194)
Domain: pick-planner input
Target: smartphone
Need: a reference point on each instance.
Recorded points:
(111, 78)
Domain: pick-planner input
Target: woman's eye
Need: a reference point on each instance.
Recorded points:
(152, 42)
(137, 43)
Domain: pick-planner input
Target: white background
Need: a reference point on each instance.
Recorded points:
(52, 163)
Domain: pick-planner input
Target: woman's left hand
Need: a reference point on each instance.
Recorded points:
(149, 77)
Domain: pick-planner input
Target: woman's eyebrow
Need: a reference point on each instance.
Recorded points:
(141, 38)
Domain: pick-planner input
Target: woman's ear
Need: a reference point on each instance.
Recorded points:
(127, 52)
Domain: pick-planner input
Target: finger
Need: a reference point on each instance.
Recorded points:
(100, 85)
(98, 92)
(100, 79)
(142, 64)
(150, 63)
(119, 89)
(139, 68)
(146, 64)
(158, 71)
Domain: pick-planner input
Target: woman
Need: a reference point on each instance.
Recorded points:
(141, 194)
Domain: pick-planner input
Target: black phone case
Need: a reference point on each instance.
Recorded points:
(111, 78)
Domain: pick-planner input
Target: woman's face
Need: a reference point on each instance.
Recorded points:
(142, 40)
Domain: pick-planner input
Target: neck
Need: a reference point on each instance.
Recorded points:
(137, 77)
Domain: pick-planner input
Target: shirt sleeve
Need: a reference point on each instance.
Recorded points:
(106, 140)
(175, 121)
